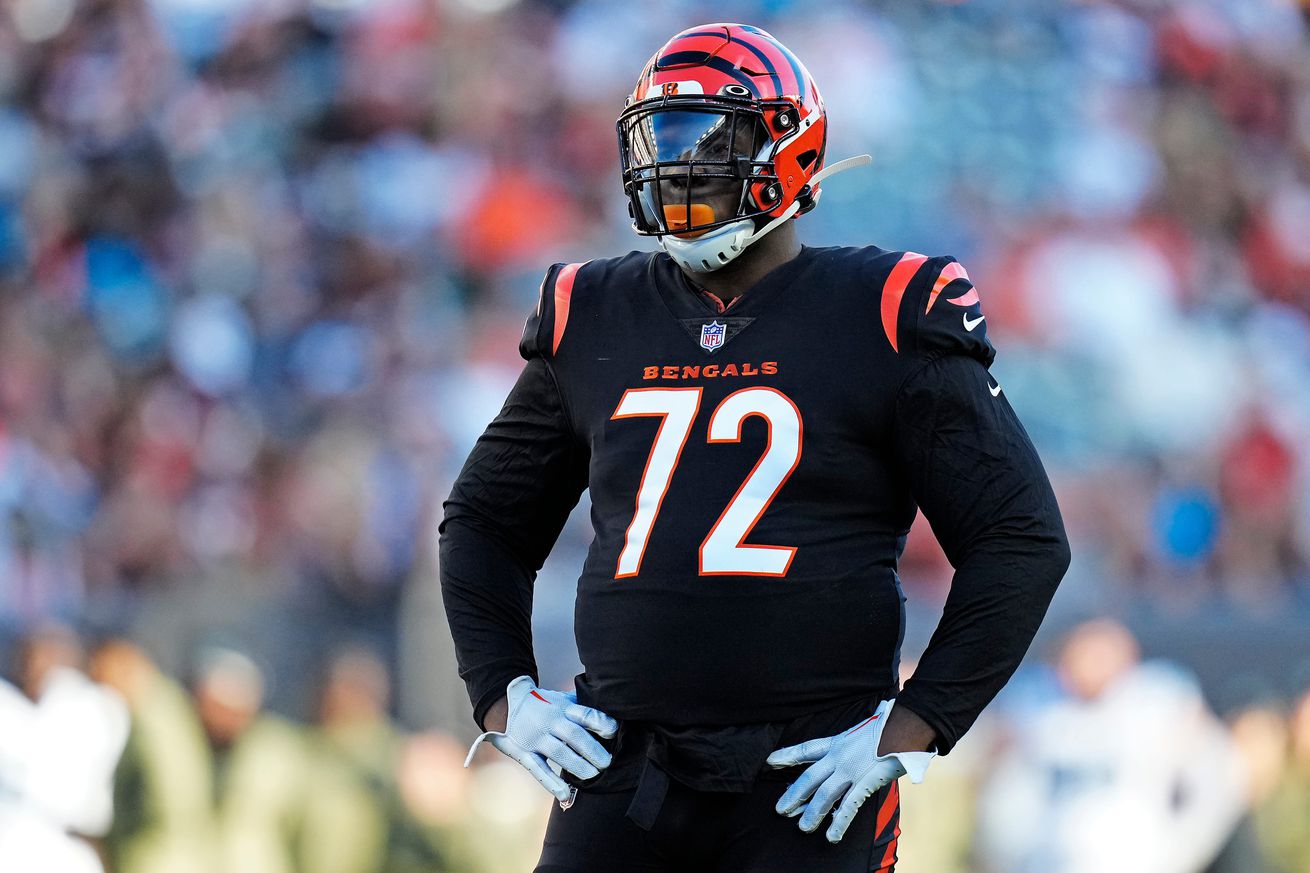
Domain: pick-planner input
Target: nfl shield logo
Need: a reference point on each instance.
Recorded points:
(711, 336)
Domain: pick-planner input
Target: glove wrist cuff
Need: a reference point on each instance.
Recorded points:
(914, 763)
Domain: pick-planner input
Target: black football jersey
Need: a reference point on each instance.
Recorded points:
(754, 469)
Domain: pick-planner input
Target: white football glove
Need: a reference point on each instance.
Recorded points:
(550, 727)
(846, 767)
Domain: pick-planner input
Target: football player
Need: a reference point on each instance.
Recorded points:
(757, 422)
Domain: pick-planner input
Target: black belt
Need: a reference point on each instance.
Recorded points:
(709, 759)
(648, 799)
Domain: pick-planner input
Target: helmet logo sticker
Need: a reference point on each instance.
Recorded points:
(711, 336)
(675, 89)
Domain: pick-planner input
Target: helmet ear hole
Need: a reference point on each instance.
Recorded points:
(806, 158)
(785, 121)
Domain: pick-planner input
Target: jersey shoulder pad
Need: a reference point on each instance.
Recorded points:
(930, 308)
(590, 286)
(544, 329)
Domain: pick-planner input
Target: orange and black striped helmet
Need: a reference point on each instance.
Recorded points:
(725, 124)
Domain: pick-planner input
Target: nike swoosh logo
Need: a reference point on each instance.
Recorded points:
(970, 325)
(995, 389)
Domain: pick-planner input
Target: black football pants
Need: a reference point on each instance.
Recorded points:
(705, 832)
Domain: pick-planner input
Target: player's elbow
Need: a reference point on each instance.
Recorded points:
(1055, 557)
(1042, 549)
(1061, 557)
(462, 517)
(1048, 543)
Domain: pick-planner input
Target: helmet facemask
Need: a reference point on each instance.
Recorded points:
(722, 141)
(692, 165)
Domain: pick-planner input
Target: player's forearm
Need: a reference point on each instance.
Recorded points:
(502, 518)
(497, 716)
(906, 732)
(998, 599)
(488, 598)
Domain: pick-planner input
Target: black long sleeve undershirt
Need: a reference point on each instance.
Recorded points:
(981, 485)
(501, 520)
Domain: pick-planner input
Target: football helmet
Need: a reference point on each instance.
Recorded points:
(721, 141)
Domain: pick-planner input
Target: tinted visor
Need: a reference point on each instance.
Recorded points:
(702, 135)
(691, 162)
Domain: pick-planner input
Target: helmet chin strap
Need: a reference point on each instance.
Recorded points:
(718, 248)
(834, 169)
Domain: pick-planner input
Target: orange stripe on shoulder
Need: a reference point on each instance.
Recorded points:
(968, 298)
(563, 294)
(894, 289)
(952, 271)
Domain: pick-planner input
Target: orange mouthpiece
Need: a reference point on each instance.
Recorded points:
(680, 218)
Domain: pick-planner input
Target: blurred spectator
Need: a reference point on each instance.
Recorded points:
(1260, 736)
(60, 738)
(219, 787)
(357, 818)
(163, 795)
(1283, 813)
(1128, 770)
(1257, 477)
(258, 763)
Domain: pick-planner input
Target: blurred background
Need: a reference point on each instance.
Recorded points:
(263, 266)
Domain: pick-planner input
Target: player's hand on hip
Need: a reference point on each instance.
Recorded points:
(844, 771)
(551, 727)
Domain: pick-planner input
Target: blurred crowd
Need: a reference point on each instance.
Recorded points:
(263, 265)
(1095, 760)
(108, 763)
(1101, 760)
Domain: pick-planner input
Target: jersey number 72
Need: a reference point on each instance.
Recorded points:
(723, 551)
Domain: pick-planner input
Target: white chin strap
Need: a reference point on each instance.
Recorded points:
(718, 248)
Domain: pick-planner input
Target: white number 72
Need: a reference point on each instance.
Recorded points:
(722, 552)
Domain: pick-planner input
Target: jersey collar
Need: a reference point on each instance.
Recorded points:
(684, 300)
